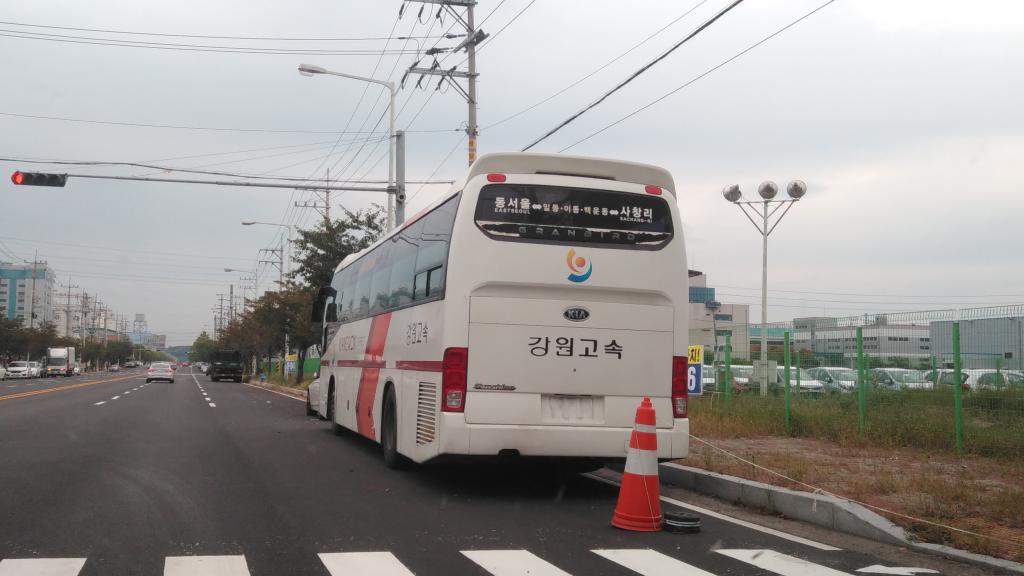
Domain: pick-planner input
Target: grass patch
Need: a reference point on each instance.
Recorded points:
(993, 421)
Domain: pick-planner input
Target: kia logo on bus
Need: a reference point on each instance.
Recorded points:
(576, 314)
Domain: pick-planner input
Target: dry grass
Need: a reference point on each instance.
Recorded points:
(978, 494)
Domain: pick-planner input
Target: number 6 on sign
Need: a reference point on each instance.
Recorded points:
(694, 384)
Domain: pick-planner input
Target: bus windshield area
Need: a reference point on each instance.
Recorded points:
(557, 215)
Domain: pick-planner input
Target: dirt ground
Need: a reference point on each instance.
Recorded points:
(977, 494)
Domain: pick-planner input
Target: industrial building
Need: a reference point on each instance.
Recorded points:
(26, 292)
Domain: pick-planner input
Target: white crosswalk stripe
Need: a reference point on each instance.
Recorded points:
(41, 566)
(513, 563)
(364, 564)
(205, 566)
(780, 563)
(651, 563)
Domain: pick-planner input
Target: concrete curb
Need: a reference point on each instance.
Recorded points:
(818, 509)
(300, 394)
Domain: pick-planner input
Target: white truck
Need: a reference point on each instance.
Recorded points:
(60, 362)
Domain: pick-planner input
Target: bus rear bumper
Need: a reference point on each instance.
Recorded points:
(457, 437)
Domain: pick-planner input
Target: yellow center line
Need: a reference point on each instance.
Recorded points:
(60, 388)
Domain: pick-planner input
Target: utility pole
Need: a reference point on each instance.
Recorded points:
(83, 308)
(32, 304)
(322, 200)
(231, 303)
(399, 177)
(469, 44)
(67, 309)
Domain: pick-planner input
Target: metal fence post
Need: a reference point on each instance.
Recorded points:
(862, 399)
(958, 393)
(786, 360)
(728, 372)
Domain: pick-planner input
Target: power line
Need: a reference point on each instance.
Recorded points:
(118, 249)
(310, 181)
(699, 76)
(281, 38)
(490, 38)
(595, 71)
(636, 74)
(438, 167)
(203, 128)
(186, 47)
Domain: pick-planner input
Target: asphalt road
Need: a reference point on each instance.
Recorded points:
(119, 477)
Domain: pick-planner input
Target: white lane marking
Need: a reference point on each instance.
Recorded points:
(363, 564)
(737, 521)
(513, 563)
(212, 405)
(100, 403)
(127, 392)
(41, 567)
(115, 397)
(205, 566)
(651, 563)
(780, 563)
(897, 570)
(274, 392)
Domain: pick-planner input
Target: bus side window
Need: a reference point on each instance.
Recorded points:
(361, 295)
(433, 251)
(403, 264)
(346, 296)
(381, 283)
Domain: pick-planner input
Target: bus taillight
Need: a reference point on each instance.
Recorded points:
(453, 379)
(680, 394)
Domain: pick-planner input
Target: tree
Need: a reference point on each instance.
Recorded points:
(296, 303)
(319, 251)
(201, 348)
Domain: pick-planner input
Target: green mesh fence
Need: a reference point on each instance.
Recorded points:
(950, 380)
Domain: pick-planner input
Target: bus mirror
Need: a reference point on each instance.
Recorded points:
(332, 313)
(322, 295)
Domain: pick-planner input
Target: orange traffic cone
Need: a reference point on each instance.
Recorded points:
(639, 506)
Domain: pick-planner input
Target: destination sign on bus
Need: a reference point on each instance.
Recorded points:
(577, 215)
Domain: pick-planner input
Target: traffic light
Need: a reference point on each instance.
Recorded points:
(39, 179)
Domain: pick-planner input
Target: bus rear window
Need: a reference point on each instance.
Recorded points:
(557, 215)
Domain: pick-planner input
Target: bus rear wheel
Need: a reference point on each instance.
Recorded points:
(389, 433)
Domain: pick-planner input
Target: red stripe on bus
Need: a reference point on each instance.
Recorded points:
(421, 365)
(325, 362)
(359, 363)
(370, 377)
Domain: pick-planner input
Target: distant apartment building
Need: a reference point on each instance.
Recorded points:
(708, 315)
(26, 292)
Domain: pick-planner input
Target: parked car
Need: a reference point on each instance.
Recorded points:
(160, 371)
(899, 379)
(808, 383)
(18, 369)
(835, 378)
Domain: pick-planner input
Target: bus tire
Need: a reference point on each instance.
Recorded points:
(309, 406)
(389, 432)
(329, 412)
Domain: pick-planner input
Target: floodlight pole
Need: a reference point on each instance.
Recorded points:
(763, 208)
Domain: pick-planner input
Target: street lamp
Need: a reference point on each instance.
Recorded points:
(312, 69)
(765, 210)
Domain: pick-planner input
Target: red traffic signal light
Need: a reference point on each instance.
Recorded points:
(39, 179)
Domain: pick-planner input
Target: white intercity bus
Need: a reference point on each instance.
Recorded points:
(528, 312)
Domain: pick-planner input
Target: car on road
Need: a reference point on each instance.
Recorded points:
(35, 369)
(160, 371)
(3, 373)
(835, 378)
(19, 369)
(899, 379)
(114, 368)
(313, 398)
(226, 365)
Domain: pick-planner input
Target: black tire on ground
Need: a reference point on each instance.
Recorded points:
(389, 433)
(309, 407)
(338, 429)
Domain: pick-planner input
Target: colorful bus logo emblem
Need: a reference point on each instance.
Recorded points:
(579, 267)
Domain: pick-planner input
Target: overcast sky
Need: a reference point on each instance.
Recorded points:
(904, 118)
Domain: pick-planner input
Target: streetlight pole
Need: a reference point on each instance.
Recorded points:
(765, 210)
(311, 69)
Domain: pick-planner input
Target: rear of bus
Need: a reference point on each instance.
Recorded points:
(569, 276)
